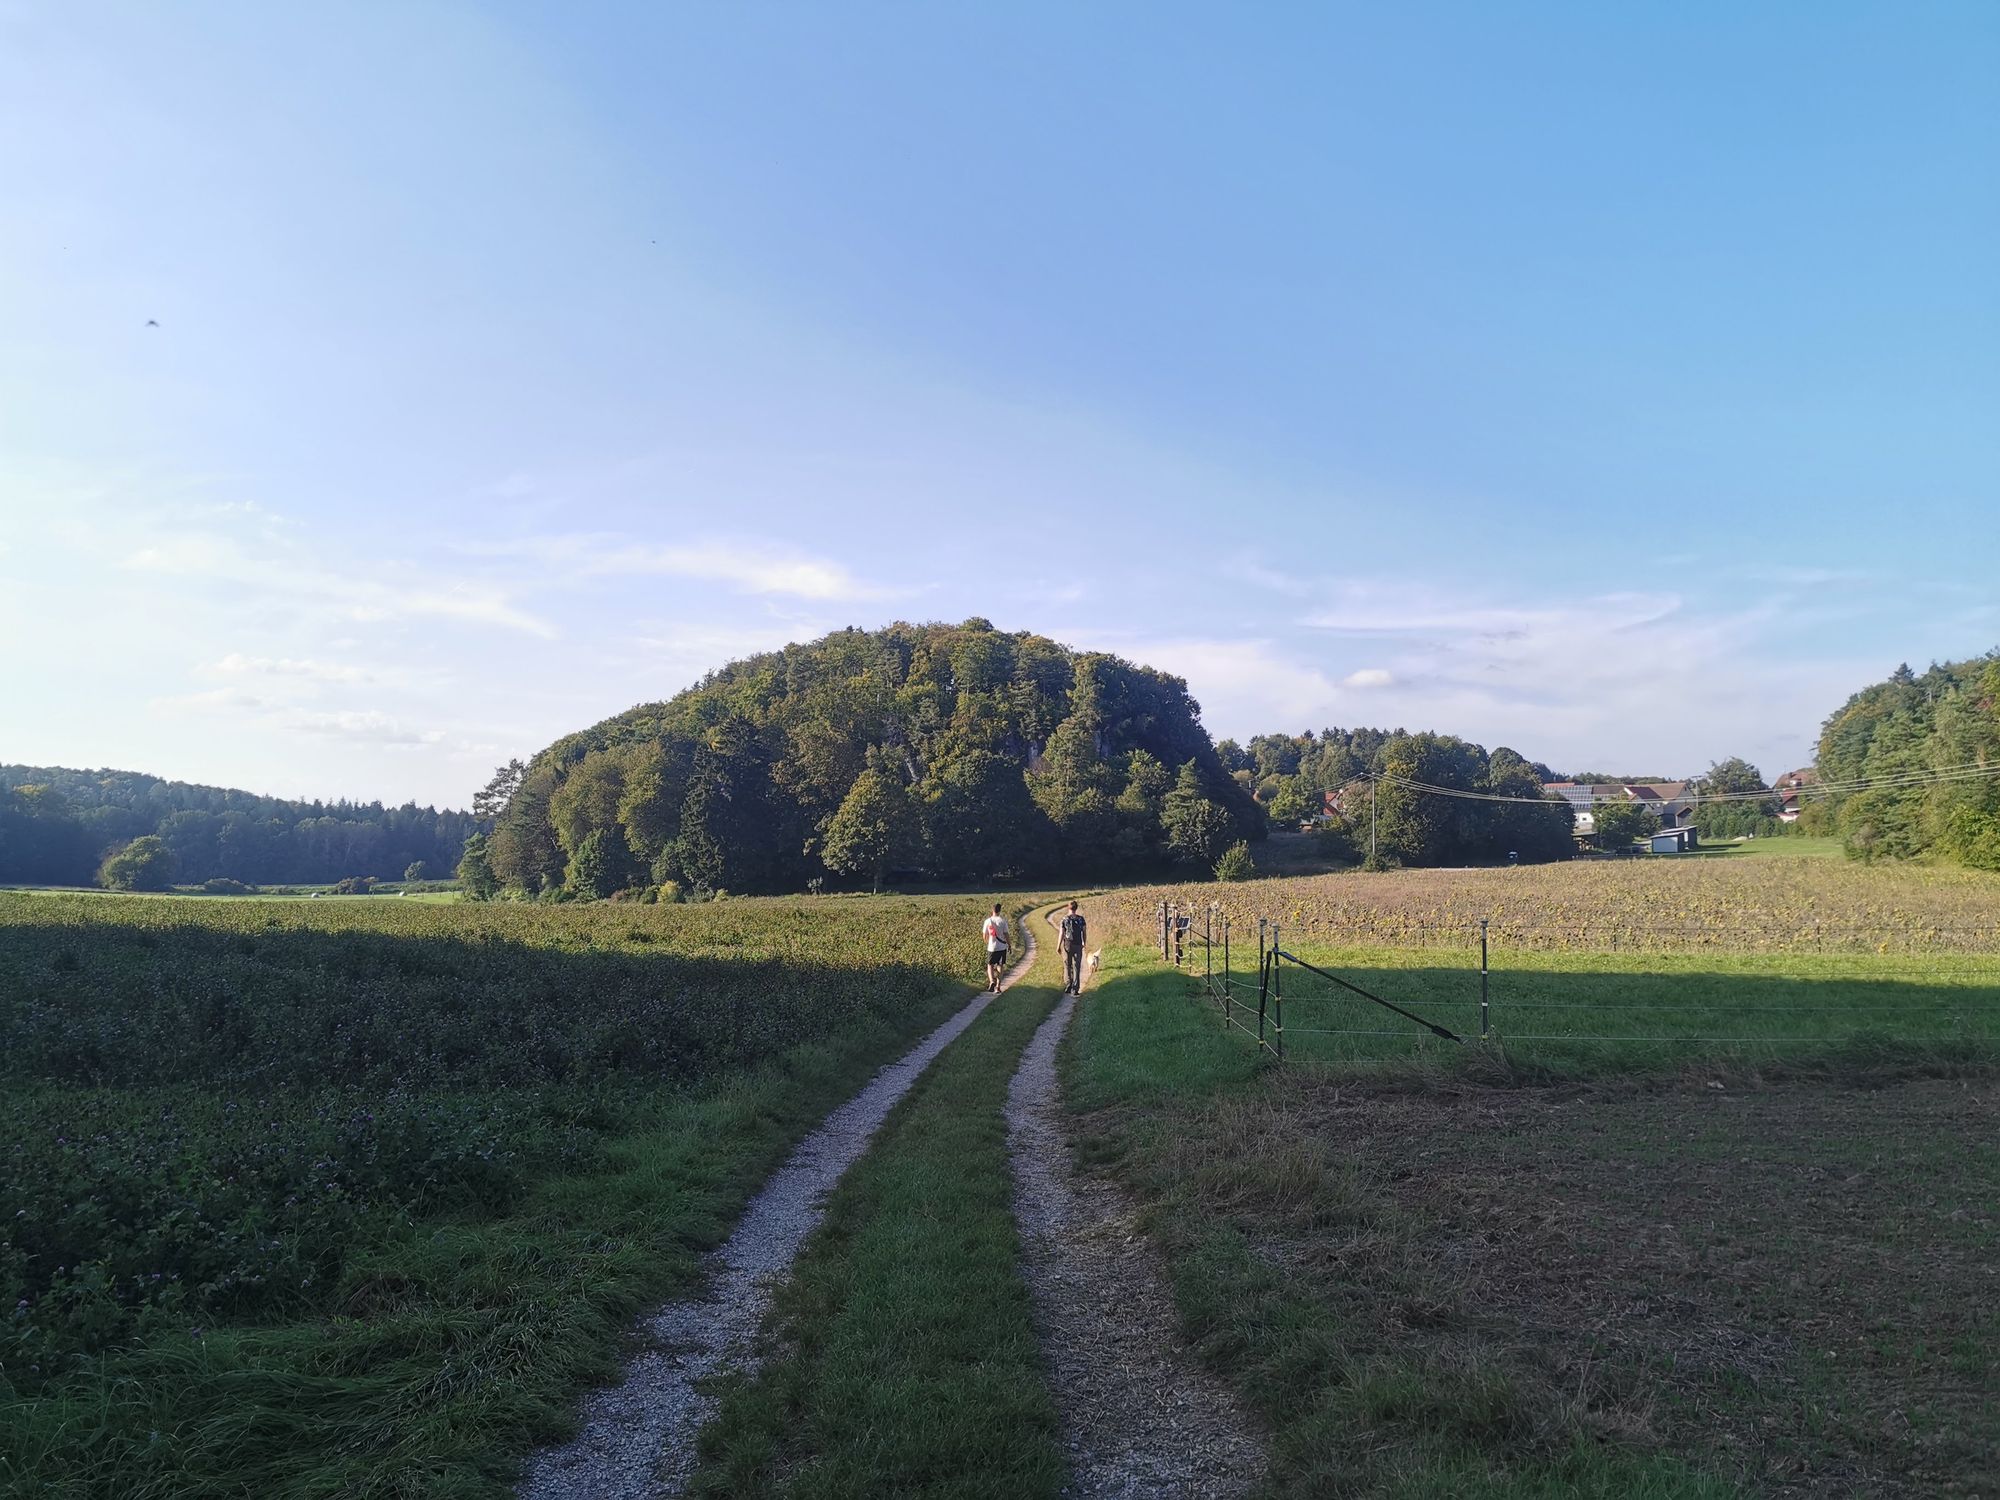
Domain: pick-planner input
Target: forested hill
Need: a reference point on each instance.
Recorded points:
(56, 824)
(954, 751)
(1946, 721)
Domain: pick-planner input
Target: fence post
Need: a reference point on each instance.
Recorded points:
(1277, 983)
(1484, 1029)
(1227, 997)
(1208, 950)
(1278, 1004)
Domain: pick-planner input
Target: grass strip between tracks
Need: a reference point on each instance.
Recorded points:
(908, 1362)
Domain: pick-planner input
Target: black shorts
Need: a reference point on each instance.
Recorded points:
(996, 955)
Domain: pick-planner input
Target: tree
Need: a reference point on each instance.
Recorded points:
(600, 863)
(1294, 801)
(42, 842)
(475, 870)
(1196, 829)
(142, 865)
(416, 871)
(1236, 863)
(1913, 727)
(1418, 827)
(1745, 812)
(587, 799)
(1616, 824)
(491, 800)
(874, 829)
(980, 821)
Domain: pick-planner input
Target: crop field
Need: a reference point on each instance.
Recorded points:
(347, 1198)
(1626, 965)
(1765, 905)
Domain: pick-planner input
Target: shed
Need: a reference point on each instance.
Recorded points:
(1674, 841)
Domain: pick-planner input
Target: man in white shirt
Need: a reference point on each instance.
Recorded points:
(995, 933)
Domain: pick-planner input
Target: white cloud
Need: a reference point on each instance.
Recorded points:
(236, 664)
(1368, 677)
(209, 698)
(1237, 683)
(364, 724)
(1354, 607)
(750, 566)
(282, 572)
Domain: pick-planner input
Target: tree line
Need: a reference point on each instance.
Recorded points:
(1345, 781)
(59, 826)
(946, 752)
(1915, 726)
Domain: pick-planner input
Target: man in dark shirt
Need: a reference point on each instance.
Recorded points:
(1070, 934)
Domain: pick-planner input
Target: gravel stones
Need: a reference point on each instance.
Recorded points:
(1140, 1419)
(638, 1437)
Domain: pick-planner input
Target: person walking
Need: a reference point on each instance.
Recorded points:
(995, 933)
(1070, 937)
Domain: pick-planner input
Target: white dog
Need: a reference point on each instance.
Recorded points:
(1092, 958)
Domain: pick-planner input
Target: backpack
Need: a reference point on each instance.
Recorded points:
(1072, 931)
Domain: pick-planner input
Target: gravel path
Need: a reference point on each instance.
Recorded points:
(1140, 1418)
(638, 1437)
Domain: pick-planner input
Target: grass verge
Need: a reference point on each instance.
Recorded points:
(1661, 1287)
(907, 1360)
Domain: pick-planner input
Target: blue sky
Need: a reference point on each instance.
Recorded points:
(1616, 383)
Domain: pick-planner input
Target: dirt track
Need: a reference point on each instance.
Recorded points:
(638, 1437)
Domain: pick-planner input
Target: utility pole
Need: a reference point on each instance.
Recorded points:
(1371, 820)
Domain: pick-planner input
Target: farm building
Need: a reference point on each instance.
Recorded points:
(1791, 789)
(1673, 801)
(1674, 841)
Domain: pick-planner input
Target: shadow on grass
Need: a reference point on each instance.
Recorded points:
(333, 1212)
(1626, 1016)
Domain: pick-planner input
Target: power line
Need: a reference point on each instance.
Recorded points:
(1893, 781)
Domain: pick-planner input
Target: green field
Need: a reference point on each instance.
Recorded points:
(355, 1196)
(1677, 1283)
(352, 1197)
(1582, 1012)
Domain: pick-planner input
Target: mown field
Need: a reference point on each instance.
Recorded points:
(1701, 1281)
(1708, 1214)
(350, 1198)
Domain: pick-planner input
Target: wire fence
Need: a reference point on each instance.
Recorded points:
(1295, 990)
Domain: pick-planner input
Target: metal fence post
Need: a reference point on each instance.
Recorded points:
(1277, 984)
(1278, 1004)
(1484, 1029)
(1208, 950)
(1163, 932)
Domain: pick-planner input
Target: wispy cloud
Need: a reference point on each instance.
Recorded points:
(367, 725)
(1368, 677)
(1238, 683)
(747, 565)
(284, 571)
(237, 664)
(363, 724)
(1355, 607)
